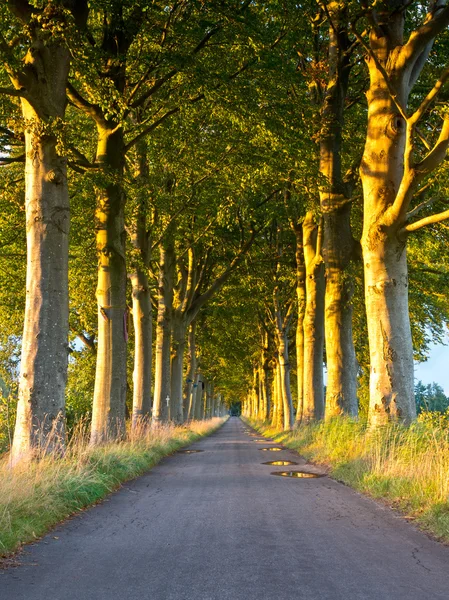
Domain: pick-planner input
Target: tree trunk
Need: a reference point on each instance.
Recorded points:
(199, 409)
(313, 322)
(142, 312)
(177, 368)
(338, 244)
(192, 376)
(284, 368)
(384, 255)
(301, 297)
(143, 346)
(162, 391)
(43, 368)
(108, 411)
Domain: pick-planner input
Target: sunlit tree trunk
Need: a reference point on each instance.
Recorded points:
(313, 321)
(192, 379)
(142, 313)
(177, 368)
(162, 376)
(199, 399)
(108, 411)
(43, 367)
(389, 176)
(301, 306)
(338, 243)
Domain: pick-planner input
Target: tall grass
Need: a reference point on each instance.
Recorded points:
(48, 490)
(407, 467)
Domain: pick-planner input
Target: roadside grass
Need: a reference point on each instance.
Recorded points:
(406, 467)
(36, 497)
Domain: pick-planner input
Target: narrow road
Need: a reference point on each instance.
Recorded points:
(217, 525)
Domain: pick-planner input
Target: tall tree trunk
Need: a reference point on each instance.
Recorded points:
(301, 299)
(338, 244)
(162, 376)
(192, 399)
(284, 367)
(199, 399)
(43, 368)
(384, 254)
(177, 368)
(279, 398)
(108, 412)
(142, 313)
(142, 319)
(192, 378)
(313, 322)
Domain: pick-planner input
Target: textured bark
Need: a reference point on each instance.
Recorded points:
(177, 369)
(43, 369)
(313, 322)
(142, 312)
(192, 399)
(191, 371)
(301, 300)
(108, 411)
(279, 399)
(284, 375)
(338, 244)
(384, 254)
(142, 346)
(199, 407)
(162, 377)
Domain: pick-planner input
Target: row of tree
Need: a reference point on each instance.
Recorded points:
(197, 139)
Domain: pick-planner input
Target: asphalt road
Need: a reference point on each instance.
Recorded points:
(217, 525)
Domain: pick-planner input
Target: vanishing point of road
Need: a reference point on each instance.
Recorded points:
(216, 525)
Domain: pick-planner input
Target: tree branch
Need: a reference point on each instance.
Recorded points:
(218, 283)
(443, 216)
(82, 104)
(151, 127)
(417, 115)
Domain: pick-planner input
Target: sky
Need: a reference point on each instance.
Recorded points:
(436, 368)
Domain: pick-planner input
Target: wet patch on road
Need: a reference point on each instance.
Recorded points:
(189, 451)
(280, 463)
(297, 474)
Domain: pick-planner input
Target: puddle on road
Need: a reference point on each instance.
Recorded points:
(189, 451)
(297, 474)
(280, 463)
(271, 449)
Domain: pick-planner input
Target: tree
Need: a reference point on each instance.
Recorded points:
(391, 174)
(39, 79)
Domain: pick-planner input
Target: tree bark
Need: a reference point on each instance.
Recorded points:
(338, 243)
(108, 411)
(162, 383)
(284, 368)
(191, 371)
(301, 300)
(313, 322)
(142, 311)
(177, 368)
(43, 369)
(384, 254)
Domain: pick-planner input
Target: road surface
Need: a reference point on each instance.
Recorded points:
(216, 525)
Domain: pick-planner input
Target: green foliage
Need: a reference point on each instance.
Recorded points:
(430, 398)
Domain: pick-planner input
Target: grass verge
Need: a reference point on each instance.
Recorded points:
(37, 497)
(406, 467)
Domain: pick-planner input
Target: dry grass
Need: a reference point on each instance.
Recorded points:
(47, 491)
(408, 467)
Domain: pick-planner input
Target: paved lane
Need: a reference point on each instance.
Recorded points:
(217, 526)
